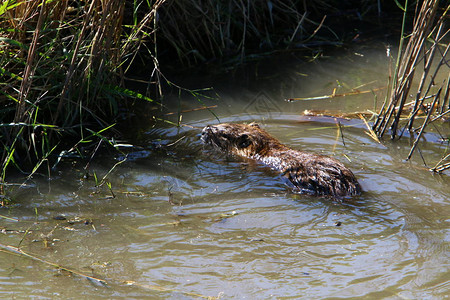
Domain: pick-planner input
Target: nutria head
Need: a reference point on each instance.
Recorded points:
(240, 139)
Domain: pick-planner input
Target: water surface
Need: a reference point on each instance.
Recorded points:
(187, 222)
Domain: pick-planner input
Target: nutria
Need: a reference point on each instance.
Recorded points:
(310, 173)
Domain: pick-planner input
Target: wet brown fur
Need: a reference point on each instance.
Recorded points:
(310, 173)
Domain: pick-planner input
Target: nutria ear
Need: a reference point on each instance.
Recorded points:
(253, 124)
(244, 141)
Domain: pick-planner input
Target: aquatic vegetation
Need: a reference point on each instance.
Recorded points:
(425, 51)
(62, 69)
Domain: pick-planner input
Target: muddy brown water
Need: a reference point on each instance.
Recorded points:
(187, 222)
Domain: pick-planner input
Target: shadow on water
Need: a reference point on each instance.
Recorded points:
(180, 218)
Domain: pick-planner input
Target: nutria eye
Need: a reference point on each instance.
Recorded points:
(244, 141)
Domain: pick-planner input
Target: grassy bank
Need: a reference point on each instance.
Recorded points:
(61, 68)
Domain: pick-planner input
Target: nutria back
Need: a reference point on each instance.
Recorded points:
(310, 173)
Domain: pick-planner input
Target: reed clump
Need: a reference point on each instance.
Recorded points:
(61, 69)
(426, 51)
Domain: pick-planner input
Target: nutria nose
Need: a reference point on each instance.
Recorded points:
(205, 133)
(206, 129)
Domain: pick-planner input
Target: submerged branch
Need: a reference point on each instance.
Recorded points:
(441, 166)
(15, 250)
